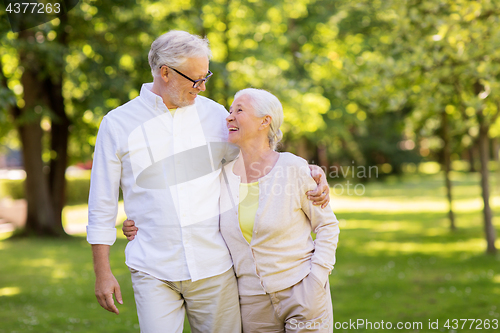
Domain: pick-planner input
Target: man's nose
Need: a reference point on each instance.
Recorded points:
(202, 86)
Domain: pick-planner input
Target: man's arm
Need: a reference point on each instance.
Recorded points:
(321, 195)
(103, 207)
(105, 284)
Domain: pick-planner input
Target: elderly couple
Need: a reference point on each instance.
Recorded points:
(220, 223)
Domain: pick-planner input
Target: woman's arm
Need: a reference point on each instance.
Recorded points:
(326, 226)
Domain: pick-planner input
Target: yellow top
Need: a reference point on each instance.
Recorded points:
(249, 202)
(172, 111)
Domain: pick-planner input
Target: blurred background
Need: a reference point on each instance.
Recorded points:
(397, 100)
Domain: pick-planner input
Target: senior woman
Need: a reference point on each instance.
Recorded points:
(267, 222)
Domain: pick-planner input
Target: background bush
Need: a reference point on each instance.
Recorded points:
(77, 190)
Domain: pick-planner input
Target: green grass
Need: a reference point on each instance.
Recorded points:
(49, 287)
(397, 261)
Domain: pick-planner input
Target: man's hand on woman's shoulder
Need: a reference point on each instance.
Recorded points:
(321, 195)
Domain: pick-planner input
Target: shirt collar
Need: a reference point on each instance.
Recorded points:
(151, 99)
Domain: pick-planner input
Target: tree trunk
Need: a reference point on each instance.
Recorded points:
(59, 147)
(40, 215)
(41, 219)
(447, 167)
(495, 147)
(323, 157)
(59, 134)
(496, 158)
(472, 157)
(303, 149)
(484, 157)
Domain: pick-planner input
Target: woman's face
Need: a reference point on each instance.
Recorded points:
(242, 123)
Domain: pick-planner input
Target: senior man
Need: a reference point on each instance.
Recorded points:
(165, 150)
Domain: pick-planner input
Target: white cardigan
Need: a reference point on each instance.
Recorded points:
(282, 251)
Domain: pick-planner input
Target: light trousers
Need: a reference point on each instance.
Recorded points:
(304, 307)
(211, 304)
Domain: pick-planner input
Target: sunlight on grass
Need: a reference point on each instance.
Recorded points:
(398, 205)
(75, 218)
(78, 214)
(45, 262)
(388, 226)
(9, 291)
(60, 274)
(429, 167)
(473, 245)
(58, 270)
(496, 278)
(357, 204)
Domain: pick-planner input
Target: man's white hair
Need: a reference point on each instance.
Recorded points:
(266, 104)
(174, 47)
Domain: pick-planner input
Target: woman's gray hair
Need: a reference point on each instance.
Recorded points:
(266, 104)
(174, 47)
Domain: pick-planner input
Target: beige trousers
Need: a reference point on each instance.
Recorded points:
(304, 307)
(211, 304)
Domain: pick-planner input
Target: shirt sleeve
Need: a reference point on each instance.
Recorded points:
(104, 187)
(324, 223)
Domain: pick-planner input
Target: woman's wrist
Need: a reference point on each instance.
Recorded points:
(320, 272)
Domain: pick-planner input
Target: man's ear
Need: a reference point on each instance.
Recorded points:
(164, 73)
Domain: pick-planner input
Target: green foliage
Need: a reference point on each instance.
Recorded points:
(77, 189)
(365, 81)
(329, 63)
(12, 188)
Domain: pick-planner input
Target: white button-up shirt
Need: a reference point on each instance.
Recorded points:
(168, 169)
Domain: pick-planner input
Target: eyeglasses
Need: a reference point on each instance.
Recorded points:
(196, 83)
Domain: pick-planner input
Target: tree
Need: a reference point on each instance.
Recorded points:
(49, 98)
(454, 46)
(43, 194)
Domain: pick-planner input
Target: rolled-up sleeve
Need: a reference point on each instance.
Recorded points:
(104, 187)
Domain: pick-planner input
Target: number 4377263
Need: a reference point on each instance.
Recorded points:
(472, 324)
(33, 8)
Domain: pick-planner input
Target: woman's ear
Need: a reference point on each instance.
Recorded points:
(266, 122)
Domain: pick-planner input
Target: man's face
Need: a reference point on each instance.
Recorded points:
(179, 91)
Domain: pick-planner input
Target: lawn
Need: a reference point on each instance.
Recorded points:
(397, 261)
